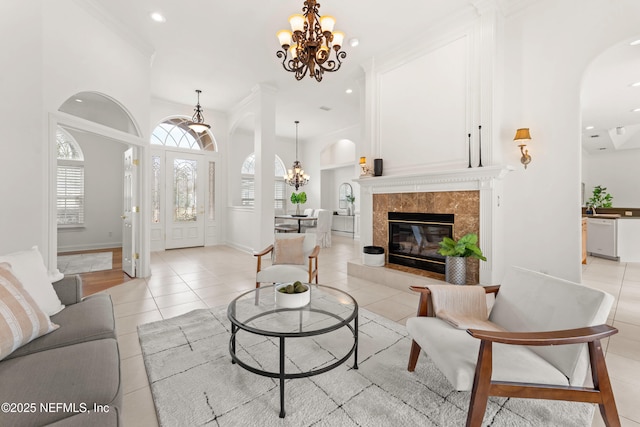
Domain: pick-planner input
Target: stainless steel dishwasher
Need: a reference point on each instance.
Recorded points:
(602, 237)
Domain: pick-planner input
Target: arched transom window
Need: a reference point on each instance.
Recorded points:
(175, 133)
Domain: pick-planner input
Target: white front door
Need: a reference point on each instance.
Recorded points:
(129, 214)
(186, 179)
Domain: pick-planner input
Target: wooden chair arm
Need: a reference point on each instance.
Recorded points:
(425, 293)
(315, 252)
(264, 251)
(566, 336)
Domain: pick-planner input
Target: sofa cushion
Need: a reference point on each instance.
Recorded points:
(455, 353)
(28, 266)
(21, 320)
(80, 375)
(529, 301)
(91, 319)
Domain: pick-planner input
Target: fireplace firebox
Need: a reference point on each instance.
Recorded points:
(414, 239)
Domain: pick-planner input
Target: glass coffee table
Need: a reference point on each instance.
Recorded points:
(329, 310)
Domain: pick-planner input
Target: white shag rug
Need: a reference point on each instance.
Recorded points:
(85, 263)
(194, 383)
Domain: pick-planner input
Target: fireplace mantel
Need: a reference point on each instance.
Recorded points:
(485, 180)
(447, 180)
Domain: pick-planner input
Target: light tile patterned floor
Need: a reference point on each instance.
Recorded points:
(186, 279)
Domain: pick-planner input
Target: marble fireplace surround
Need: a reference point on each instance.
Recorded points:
(472, 195)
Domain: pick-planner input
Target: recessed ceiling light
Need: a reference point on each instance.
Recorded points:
(158, 17)
(636, 84)
(353, 42)
(349, 91)
(78, 100)
(589, 127)
(636, 110)
(635, 42)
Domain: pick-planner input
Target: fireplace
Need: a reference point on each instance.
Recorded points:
(414, 239)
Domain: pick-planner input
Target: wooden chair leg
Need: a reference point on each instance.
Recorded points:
(413, 356)
(601, 382)
(481, 385)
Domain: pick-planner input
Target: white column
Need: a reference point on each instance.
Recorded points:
(264, 106)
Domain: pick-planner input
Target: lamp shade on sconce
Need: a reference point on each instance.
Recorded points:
(363, 160)
(522, 134)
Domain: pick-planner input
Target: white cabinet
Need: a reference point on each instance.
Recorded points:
(343, 224)
(628, 237)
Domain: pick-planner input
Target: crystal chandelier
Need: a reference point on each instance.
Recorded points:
(197, 121)
(296, 177)
(310, 42)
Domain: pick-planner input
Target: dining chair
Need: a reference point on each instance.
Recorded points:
(323, 228)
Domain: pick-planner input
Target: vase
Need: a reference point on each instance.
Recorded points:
(297, 208)
(456, 270)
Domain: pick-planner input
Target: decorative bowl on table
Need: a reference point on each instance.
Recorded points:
(292, 295)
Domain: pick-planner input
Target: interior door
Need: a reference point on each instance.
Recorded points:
(186, 176)
(129, 214)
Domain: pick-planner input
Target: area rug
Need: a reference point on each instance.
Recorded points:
(85, 263)
(193, 381)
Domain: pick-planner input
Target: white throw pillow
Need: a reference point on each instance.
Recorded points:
(29, 268)
(21, 320)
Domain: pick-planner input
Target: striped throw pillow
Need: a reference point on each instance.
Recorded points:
(21, 320)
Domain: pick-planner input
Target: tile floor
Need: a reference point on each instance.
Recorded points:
(187, 279)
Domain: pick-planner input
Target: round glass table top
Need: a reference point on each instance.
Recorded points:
(256, 311)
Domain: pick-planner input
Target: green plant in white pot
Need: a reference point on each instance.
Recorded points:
(456, 253)
(298, 199)
(350, 199)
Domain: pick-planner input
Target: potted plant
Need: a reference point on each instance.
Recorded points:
(600, 199)
(350, 198)
(299, 198)
(456, 254)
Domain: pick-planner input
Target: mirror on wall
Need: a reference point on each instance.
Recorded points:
(343, 191)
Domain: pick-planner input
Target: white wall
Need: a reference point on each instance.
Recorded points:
(423, 110)
(22, 167)
(546, 56)
(615, 170)
(103, 186)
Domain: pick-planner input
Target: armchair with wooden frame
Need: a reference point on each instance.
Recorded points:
(548, 333)
(303, 268)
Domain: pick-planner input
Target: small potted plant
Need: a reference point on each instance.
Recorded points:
(298, 199)
(350, 198)
(600, 199)
(456, 254)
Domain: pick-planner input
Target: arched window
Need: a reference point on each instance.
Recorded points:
(70, 180)
(175, 133)
(248, 171)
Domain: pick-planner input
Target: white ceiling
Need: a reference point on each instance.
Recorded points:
(226, 47)
(608, 100)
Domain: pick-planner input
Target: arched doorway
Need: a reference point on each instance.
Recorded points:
(106, 131)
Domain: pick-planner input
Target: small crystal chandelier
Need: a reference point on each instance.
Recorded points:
(197, 121)
(296, 177)
(310, 42)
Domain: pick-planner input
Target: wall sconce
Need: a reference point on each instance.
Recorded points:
(365, 170)
(521, 136)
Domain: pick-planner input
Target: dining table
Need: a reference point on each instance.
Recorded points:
(298, 218)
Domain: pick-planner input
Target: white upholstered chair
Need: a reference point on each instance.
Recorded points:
(304, 268)
(323, 228)
(550, 336)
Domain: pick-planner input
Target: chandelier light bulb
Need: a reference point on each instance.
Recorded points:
(338, 39)
(297, 22)
(327, 23)
(284, 36)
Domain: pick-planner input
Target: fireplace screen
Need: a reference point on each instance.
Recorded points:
(414, 239)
